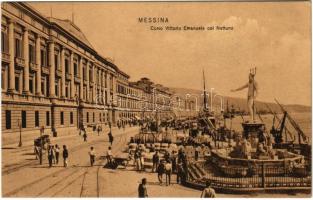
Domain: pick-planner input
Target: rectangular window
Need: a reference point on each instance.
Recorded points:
(43, 57)
(8, 119)
(87, 117)
(17, 83)
(4, 42)
(93, 117)
(56, 89)
(47, 118)
(43, 87)
(100, 117)
(2, 79)
(71, 118)
(31, 90)
(66, 66)
(18, 48)
(36, 118)
(90, 75)
(75, 69)
(32, 53)
(84, 73)
(62, 118)
(56, 61)
(23, 119)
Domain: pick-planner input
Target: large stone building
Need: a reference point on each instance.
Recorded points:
(52, 77)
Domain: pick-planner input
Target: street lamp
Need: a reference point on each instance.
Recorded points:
(20, 127)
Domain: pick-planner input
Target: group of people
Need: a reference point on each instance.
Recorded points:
(92, 156)
(54, 155)
(174, 163)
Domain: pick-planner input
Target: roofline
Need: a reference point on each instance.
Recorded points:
(35, 13)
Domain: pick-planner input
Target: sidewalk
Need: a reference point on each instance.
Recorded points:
(11, 140)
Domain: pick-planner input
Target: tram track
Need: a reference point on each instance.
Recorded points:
(17, 167)
(121, 141)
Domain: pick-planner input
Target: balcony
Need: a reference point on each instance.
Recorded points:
(68, 76)
(45, 69)
(20, 61)
(33, 66)
(77, 79)
(58, 72)
(5, 57)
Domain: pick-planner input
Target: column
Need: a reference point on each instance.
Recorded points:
(26, 59)
(38, 62)
(109, 89)
(80, 66)
(63, 73)
(93, 84)
(87, 78)
(52, 69)
(11, 52)
(99, 86)
(72, 76)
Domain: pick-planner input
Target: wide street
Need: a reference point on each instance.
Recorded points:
(22, 176)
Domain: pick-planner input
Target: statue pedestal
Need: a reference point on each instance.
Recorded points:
(253, 132)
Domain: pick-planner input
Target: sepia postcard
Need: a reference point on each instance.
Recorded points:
(156, 99)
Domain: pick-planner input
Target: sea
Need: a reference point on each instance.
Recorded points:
(304, 120)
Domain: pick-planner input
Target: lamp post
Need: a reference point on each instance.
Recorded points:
(20, 127)
(41, 144)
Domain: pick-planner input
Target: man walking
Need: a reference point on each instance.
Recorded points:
(65, 155)
(161, 170)
(92, 155)
(57, 153)
(110, 138)
(168, 172)
(50, 155)
(155, 160)
(85, 136)
(142, 189)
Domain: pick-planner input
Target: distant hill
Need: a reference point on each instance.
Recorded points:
(238, 103)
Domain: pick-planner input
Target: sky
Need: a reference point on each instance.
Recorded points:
(273, 37)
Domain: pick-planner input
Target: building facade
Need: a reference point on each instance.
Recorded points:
(52, 77)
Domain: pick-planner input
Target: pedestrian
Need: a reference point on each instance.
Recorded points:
(57, 153)
(137, 159)
(142, 189)
(50, 155)
(92, 155)
(85, 136)
(65, 155)
(111, 138)
(180, 174)
(174, 161)
(161, 170)
(155, 161)
(208, 192)
(168, 172)
(109, 156)
(53, 155)
(142, 159)
(98, 130)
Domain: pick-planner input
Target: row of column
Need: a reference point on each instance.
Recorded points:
(103, 74)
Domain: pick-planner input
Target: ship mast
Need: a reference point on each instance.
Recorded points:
(204, 93)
